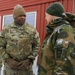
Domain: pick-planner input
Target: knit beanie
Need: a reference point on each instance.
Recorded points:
(18, 10)
(55, 9)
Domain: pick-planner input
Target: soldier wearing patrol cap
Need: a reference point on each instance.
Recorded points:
(58, 50)
(20, 43)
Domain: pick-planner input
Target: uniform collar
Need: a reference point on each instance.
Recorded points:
(16, 26)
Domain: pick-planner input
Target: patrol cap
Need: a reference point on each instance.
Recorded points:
(55, 9)
(18, 10)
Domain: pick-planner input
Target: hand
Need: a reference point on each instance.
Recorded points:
(23, 65)
(12, 63)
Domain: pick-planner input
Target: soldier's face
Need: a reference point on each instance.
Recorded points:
(20, 20)
(48, 18)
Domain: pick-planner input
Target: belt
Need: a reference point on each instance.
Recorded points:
(20, 59)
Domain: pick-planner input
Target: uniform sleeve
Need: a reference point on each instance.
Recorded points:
(3, 54)
(35, 45)
(64, 42)
(62, 46)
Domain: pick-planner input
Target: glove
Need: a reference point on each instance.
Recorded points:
(12, 63)
(23, 65)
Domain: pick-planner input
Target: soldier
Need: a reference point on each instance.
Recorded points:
(58, 51)
(20, 44)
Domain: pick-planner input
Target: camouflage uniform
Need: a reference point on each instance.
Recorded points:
(0, 59)
(19, 43)
(49, 30)
(70, 18)
(57, 54)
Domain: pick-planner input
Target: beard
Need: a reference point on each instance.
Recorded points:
(20, 22)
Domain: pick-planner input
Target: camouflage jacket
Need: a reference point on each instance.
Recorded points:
(57, 55)
(19, 42)
(70, 18)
